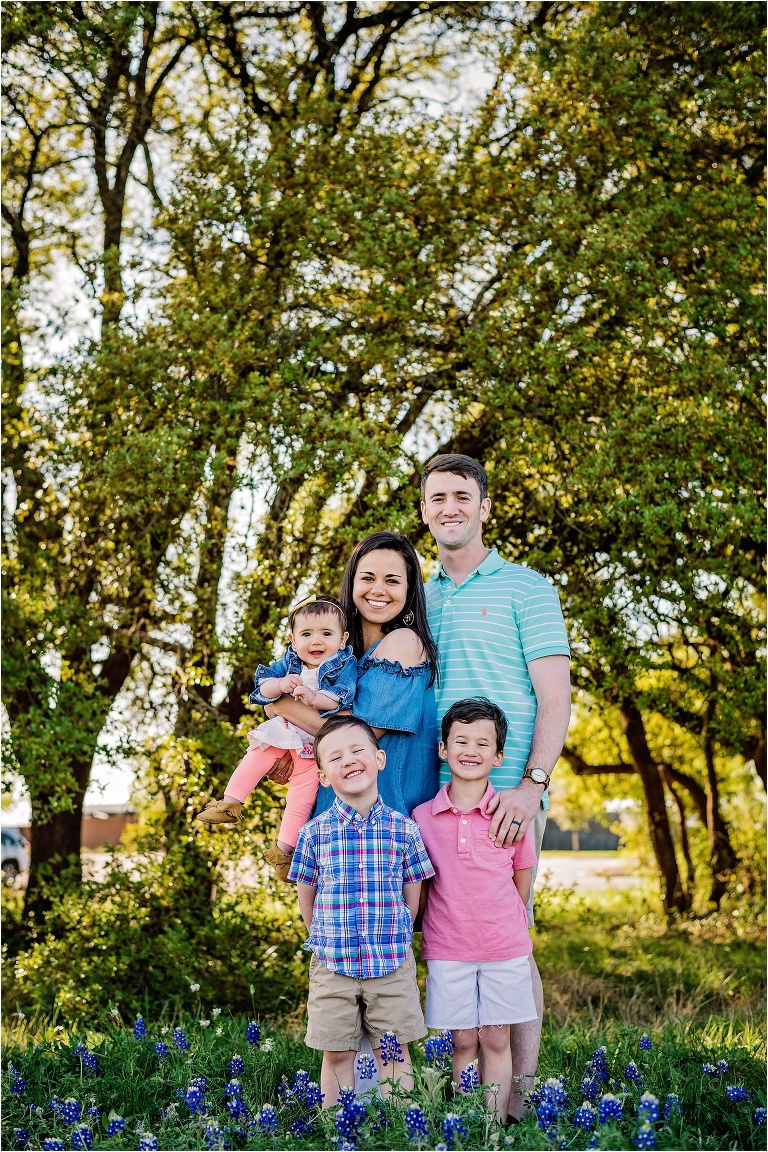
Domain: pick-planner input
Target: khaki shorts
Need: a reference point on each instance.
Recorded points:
(538, 824)
(341, 1008)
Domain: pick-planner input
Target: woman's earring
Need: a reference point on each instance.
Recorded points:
(408, 619)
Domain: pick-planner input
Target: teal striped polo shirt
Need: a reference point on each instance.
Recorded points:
(487, 631)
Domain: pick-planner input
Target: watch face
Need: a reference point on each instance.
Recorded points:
(538, 775)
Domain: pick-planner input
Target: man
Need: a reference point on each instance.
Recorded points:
(500, 633)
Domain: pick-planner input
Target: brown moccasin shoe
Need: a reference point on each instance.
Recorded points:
(280, 861)
(221, 812)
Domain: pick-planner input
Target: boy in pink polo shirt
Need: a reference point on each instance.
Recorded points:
(475, 934)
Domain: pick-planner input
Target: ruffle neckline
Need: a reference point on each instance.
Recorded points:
(393, 667)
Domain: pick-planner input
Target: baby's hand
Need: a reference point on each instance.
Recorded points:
(289, 683)
(303, 693)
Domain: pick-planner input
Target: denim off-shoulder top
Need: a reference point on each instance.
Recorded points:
(402, 701)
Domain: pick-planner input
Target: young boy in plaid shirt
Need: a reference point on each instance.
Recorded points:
(358, 869)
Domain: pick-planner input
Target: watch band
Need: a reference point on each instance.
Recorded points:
(529, 773)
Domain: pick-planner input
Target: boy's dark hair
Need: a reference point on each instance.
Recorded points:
(476, 708)
(319, 605)
(333, 723)
(455, 462)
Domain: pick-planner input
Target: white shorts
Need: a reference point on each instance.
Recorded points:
(474, 993)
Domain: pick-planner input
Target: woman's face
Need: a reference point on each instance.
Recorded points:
(380, 587)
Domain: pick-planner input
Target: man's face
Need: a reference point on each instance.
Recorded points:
(453, 509)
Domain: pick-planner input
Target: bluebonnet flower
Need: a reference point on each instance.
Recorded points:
(380, 1121)
(736, 1093)
(71, 1110)
(266, 1118)
(116, 1124)
(441, 1148)
(94, 1112)
(590, 1088)
(91, 1064)
(346, 1096)
(632, 1072)
(79, 1050)
(81, 1137)
(161, 1050)
(645, 1044)
(584, 1116)
(302, 1128)
(722, 1066)
(55, 1105)
(214, 1135)
(200, 1082)
(350, 1119)
(285, 1092)
(237, 1108)
(645, 1137)
(671, 1106)
(469, 1079)
(366, 1067)
(549, 1100)
(592, 1142)
(237, 1065)
(147, 1143)
(416, 1125)
(347, 1146)
(53, 1144)
(21, 1137)
(608, 1108)
(390, 1050)
(180, 1041)
(759, 1116)
(648, 1108)
(312, 1095)
(454, 1129)
(233, 1088)
(596, 1066)
(253, 1033)
(709, 1069)
(194, 1098)
(19, 1085)
(439, 1049)
(139, 1028)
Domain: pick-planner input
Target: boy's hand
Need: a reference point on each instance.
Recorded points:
(513, 809)
(289, 683)
(303, 693)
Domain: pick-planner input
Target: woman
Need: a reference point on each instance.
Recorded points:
(383, 597)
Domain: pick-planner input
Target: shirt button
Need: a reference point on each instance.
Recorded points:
(454, 810)
(447, 601)
(463, 821)
(463, 839)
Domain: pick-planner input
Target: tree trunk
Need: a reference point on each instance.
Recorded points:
(55, 850)
(684, 842)
(723, 859)
(674, 897)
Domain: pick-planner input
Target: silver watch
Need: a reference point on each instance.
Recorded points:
(538, 775)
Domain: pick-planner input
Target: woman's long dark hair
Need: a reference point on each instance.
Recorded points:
(415, 601)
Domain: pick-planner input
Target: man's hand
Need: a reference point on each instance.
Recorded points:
(513, 809)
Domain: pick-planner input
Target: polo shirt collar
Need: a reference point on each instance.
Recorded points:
(492, 563)
(349, 815)
(442, 802)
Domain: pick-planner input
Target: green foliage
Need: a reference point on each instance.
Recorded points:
(134, 1085)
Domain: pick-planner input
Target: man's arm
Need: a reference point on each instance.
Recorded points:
(550, 676)
(411, 893)
(306, 894)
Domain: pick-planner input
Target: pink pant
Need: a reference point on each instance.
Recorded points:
(302, 787)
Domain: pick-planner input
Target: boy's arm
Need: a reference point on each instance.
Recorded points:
(522, 880)
(411, 894)
(423, 898)
(306, 894)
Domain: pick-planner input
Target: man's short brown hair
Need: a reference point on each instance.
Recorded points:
(455, 462)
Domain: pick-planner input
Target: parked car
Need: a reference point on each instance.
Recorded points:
(15, 854)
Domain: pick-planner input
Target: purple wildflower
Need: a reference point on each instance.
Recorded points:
(454, 1129)
(671, 1106)
(81, 1137)
(632, 1073)
(645, 1137)
(266, 1118)
(139, 1028)
(469, 1079)
(759, 1116)
(161, 1050)
(389, 1049)
(350, 1119)
(71, 1111)
(648, 1108)
(237, 1065)
(584, 1116)
(736, 1094)
(180, 1041)
(608, 1108)
(53, 1144)
(366, 1067)
(147, 1143)
(645, 1044)
(116, 1124)
(439, 1049)
(709, 1069)
(416, 1125)
(253, 1034)
(722, 1066)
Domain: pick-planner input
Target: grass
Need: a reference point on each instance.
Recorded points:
(613, 969)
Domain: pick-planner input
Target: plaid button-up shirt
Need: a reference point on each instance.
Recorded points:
(361, 925)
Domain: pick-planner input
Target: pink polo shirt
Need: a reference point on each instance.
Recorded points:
(474, 911)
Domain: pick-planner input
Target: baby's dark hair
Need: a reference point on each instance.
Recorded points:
(321, 605)
(333, 723)
(476, 708)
